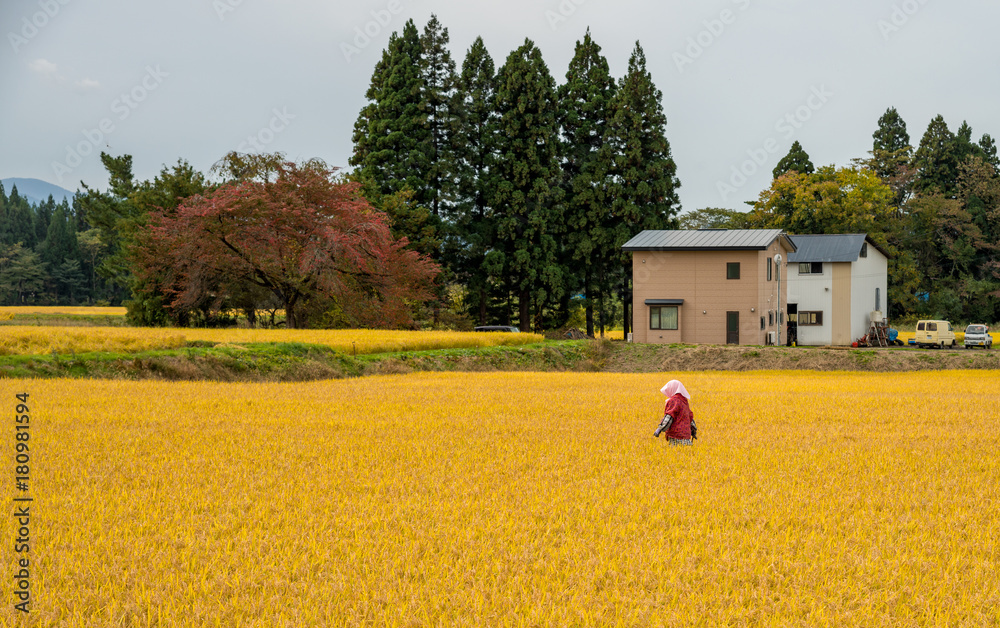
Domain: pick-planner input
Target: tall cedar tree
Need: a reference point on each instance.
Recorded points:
(527, 195)
(475, 160)
(438, 70)
(644, 188)
(392, 141)
(891, 157)
(585, 102)
(936, 160)
(300, 236)
(797, 159)
(18, 225)
(41, 217)
(989, 148)
(891, 146)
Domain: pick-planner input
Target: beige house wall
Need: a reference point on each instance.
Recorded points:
(699, 278)
(840, 328)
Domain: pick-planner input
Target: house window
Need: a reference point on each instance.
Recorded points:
(663, 317)
(762, 323)
(810, 268)
(769, 269)
(864, 249)
(732, 270)
(810, 318)
(770, 318)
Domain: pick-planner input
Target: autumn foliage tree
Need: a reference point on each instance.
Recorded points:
(292, 231)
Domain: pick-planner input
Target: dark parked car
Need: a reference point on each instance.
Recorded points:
(508, 328)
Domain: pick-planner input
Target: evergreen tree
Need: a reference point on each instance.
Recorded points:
(797, 159)
(891, 148)
(20, 223)
(644, 187)
(392, 141)
(526, 200)
(70, 281)
(989, 149)
(22, 274)
(41, 217)
(438, 72)
(475, 160)
(5, 236)
(60, 238)
(115, 216)
(965, 148)
(120, 216)
(585, 102)
(936, 160)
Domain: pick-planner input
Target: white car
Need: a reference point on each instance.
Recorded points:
(978, 336)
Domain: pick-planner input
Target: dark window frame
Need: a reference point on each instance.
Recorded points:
(730, 267)
(813, 318)
(769, 262)
(811, 268)
(659, 309)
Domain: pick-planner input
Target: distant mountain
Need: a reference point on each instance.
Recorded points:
(36, 190)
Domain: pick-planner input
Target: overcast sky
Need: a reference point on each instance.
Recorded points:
(741, 79)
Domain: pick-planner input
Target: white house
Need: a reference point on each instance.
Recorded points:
(835, 282)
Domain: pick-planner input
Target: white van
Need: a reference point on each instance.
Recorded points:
(934, 334)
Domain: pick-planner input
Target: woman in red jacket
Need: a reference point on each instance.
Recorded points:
(678, 420)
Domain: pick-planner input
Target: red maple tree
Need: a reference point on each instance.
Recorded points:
(299, 235)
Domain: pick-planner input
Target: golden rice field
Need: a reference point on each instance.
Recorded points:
(517, 499)
(83, 310)
(32, 340)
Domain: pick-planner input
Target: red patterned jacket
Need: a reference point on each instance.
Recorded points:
(677, 407)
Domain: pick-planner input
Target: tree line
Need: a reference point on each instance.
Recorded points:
(45, 256)
(487, 195)
(522, 189)
(935, 209)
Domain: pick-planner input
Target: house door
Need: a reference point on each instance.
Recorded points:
(792, 333)
(732, 328)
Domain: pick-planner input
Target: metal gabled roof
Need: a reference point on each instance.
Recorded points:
(706, 239)
(830, 248)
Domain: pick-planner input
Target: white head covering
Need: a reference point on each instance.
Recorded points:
(673, 387)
